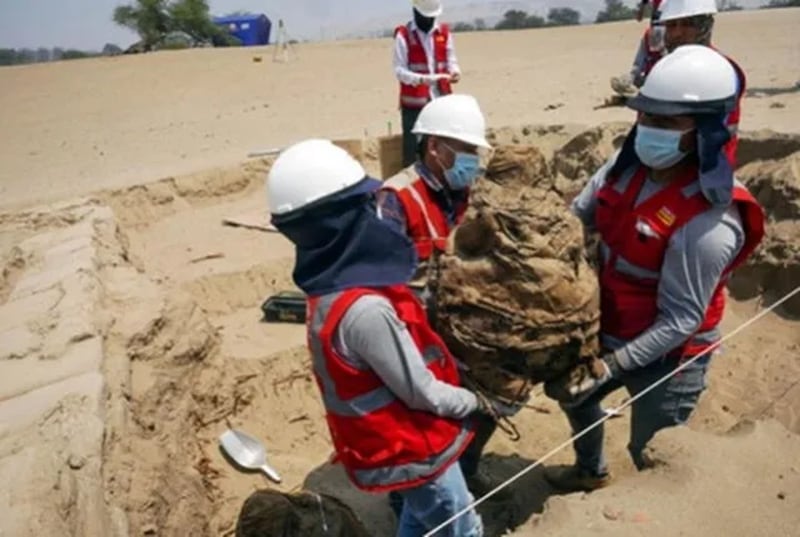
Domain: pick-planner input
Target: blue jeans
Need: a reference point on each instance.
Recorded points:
(670, 404)
(428, 505)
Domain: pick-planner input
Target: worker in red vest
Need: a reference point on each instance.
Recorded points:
(655, 5)
(673, 225)
(689, 22)
(425, 64)
(428, 200)
(398, 418)
(651, 49)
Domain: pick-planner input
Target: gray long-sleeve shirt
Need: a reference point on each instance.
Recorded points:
(697, 255)
(371, 336)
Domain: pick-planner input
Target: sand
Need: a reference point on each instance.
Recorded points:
(130, 333)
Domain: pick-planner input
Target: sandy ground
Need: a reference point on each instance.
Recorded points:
(75, 127)
(130, 333)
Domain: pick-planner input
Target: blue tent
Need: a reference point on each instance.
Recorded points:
(251, 29)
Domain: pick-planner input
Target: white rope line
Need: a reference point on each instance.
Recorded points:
(609, 415)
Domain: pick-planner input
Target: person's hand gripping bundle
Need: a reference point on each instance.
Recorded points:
(583, 380)
(500, 412)
(494, 408)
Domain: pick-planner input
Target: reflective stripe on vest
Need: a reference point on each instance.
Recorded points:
(417, 96)
(634, 240)
(414, 102)
(418, 206)
(400, 462)
(623, 266)
(432, 231)
(411, 471)
(363, 404)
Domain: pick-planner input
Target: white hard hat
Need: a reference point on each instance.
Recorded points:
(693, 79)
(681, 9)
(429, 8)
(309, 171)
(453, 116)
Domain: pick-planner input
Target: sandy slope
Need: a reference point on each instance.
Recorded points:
(74, 127)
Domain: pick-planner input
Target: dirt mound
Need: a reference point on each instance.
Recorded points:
(143, 204)
(178, 390)
(774, 269)
(765, 145)
(776, 185)
(515, 298)
(546, 138)
(584, 154)
(757, 499)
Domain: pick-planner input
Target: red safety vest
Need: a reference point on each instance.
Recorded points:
(640, 235)
(381, 442)
(653, 53)
(418, 96)
(426, 222)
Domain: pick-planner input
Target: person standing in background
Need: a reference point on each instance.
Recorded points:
(425, 64)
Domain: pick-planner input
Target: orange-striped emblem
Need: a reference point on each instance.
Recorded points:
(666, 216)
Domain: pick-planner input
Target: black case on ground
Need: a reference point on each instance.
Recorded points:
(285, 307)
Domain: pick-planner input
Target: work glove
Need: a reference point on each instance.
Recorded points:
(584, 380)
(494, 408)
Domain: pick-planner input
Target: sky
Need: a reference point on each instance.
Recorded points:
(87, 25)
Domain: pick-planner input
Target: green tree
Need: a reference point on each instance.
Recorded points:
(782, 3)
(463, 27)
(615, 11)
(192, 17)
(42, 54)
(8, 56)
(74, 54)
(148, 18)
(534, 21)
(26, 55)
(563, 16)
(110, 49)
(158, 22)
(513, 19)
(480, 25)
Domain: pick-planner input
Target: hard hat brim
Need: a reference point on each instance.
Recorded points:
(477, 141)
(656, 107)
(662, 18)
(430, 14)
(365, 186)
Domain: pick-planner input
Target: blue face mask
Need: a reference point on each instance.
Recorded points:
(658, 149)
(465, 170)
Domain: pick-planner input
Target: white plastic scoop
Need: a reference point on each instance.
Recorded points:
(247, 452)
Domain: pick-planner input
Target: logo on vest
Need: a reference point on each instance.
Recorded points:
(666, 216)
(645, 230)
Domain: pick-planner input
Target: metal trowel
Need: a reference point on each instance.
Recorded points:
(247, 452)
